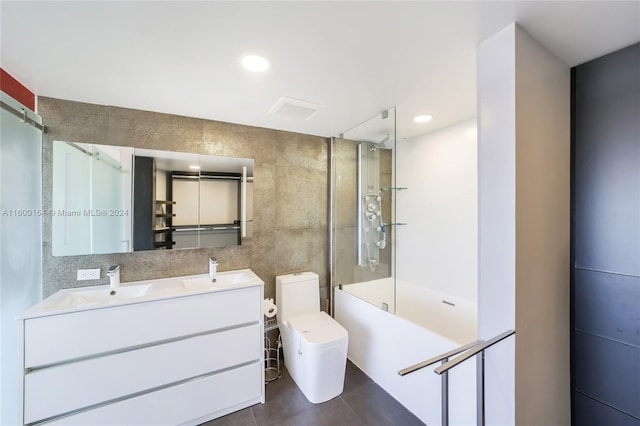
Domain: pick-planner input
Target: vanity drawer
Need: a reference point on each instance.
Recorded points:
(205, 398)
(64, 388)
(57, 338)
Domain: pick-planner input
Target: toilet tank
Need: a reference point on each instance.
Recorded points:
(297, 294)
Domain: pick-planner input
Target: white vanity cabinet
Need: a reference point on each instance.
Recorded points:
(170, 361)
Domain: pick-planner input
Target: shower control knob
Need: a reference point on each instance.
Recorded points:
(378, 213)
(371, 207)
(378, 198)
(378, 244)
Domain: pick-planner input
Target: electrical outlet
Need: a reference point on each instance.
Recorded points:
(88, 274)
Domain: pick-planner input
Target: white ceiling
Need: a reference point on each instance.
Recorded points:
(354, 58)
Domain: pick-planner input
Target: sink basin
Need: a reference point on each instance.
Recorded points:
(226, 279)
(103, 294)
(96, 296)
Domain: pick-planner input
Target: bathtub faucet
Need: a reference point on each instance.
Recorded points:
(114, 276)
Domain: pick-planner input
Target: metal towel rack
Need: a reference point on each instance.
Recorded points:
(442, 357)
(467, 351)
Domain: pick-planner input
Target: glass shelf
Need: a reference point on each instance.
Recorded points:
(395, 224)
(393, 188)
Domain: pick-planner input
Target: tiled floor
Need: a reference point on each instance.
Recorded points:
(362, 402)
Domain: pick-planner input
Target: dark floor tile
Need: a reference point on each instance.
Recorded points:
(354, 378)
(239, 418)
(331, 413)
(283, 400)
(375, 407)
(362, 402)
(283, 384)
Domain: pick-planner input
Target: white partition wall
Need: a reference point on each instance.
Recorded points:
(523, 200)
(20, 242)
(496, 219)
(439, 248)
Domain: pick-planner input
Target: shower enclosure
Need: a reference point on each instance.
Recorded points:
(363, 210)
(387, 196)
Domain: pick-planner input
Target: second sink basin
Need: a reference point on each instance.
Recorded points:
(223, 280)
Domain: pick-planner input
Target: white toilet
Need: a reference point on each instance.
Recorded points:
(315, 345)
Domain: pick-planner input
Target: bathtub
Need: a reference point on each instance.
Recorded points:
(425, 324)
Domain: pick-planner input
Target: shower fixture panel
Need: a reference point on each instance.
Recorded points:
(371, 229)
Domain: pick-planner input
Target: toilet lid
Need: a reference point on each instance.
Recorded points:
(318, 328)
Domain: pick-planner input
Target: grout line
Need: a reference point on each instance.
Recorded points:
(602, 336)
(604, 271)
(253, 416)
(593, 398)
(352, 410)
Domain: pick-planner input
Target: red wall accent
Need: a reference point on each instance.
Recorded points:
(17, 91)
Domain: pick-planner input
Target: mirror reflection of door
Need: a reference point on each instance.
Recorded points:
(91, 193)
(207, 210)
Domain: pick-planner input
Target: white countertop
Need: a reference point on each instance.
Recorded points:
(102, 296)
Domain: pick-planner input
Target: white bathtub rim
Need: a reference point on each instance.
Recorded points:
(468, 314)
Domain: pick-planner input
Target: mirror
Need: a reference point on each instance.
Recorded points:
(111, 199)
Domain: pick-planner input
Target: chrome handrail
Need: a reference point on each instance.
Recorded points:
(438, 358)
(474, 351)
(467, 351)
(444, 383)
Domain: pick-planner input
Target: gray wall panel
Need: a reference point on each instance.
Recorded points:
(607, 163)
(606, 240)
(608, 305)
(608, 371)
(594, 413)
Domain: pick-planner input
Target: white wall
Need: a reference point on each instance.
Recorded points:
(438, 247)
(496, 85)
(542, 235)
(523, 178)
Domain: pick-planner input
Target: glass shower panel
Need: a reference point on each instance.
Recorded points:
(363, 210)
(20, 241)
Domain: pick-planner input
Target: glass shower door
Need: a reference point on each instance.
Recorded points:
(363, 211)
(20, 240)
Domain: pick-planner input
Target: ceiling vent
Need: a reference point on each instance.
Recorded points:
(294, 109)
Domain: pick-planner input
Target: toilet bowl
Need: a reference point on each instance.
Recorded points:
(314, 344)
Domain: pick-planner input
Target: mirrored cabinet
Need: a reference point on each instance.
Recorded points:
(109, 199)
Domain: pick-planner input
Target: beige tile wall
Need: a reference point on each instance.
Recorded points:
(290, 193)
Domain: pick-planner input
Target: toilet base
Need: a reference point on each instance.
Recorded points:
(318, 373)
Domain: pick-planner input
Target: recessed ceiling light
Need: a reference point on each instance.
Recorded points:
(423, 118)
(255, 63)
